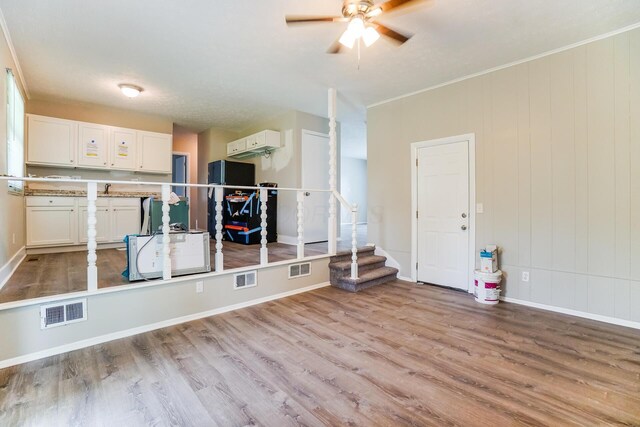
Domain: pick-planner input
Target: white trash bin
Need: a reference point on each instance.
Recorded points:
(487, 287)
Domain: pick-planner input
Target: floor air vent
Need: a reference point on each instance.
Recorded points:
(297, 270)
(245, 280)
(59, 314)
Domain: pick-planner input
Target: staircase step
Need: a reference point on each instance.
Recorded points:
(367, 280)
(362, 262)
(346, 255)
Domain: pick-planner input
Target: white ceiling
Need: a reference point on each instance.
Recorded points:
(227, 63)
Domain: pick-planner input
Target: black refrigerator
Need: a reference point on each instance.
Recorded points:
(224, 172)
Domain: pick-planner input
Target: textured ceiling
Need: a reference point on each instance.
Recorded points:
(227, 63)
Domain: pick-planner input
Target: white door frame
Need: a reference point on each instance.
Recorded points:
(470, 138)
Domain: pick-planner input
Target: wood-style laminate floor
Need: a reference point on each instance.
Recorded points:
(64, 272)
(396, 354)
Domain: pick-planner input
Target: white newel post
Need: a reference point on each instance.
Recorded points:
(219, 194)
(92, 257)
(354, 242)
(300, 218)
(333, 223)
(166, 239)
(264, 254)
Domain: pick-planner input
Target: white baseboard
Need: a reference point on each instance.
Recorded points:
(598, 317)
(287, 240)
(153, 326)
(406, 279)
(10, 267)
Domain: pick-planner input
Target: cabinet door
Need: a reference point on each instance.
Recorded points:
(154, 152)
(51, 225)
(125, 219)
(51, 141)
(103, 224)
(261, 139)
(93, 143)
(123, 149)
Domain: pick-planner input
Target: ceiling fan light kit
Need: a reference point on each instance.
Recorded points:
(361, 16)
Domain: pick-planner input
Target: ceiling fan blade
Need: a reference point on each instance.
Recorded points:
(312, 19)
(336, 47)
(393, 35)
(394, 4)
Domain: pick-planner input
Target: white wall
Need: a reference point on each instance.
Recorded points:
(558, 172)
(12, 237)
(354, 186)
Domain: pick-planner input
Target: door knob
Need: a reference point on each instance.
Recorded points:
(464, 215)
(463, 228)
(307, 193)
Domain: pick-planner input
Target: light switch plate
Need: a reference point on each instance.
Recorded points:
(525, 276)
(479, 208)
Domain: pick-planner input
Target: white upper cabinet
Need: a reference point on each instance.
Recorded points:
(123, 151)
(154, 152)
(254, 145)
(73, 144)
(93, 144)
(52, 141)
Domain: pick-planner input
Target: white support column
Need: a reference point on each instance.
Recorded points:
(333, 223)
(219, 259)
(92, 257)
(264, 252)
(166, 239)
(300, 218)
(354, 242)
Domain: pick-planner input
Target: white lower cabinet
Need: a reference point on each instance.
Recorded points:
(51, 221)
(125, 218)
(103, 220)
(60, 221)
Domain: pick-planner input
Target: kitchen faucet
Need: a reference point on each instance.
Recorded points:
(106, 188)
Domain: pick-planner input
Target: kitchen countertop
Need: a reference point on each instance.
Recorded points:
(82, 193)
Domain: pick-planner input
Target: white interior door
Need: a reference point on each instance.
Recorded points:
(443, 215)
(315, 175)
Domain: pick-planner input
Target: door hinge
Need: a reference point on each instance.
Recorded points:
(416, 162)
(416, 214)
(416, 265)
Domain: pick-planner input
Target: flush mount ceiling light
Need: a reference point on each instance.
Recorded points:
(130, 91)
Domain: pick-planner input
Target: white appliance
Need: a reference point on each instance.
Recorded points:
(189, 255)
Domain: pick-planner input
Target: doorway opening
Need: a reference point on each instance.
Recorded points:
(443, 211)
(180, 172)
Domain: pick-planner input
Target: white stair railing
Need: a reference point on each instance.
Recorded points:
(354, 232)
(264, 252)
(218, 192)
(219, 258)
(300, 221)
(92, 245)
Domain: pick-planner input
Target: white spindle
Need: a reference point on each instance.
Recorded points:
(166, 239)
(264, 253)
(92, 257)
(333, 223)
(354, 242)
(300, 218)
(219, 260)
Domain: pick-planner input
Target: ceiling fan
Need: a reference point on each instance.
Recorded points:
(362, 16)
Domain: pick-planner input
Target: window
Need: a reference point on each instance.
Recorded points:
(15, 133)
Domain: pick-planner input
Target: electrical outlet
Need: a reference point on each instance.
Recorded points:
(479, 208)
(199, 287)
(525, 276)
